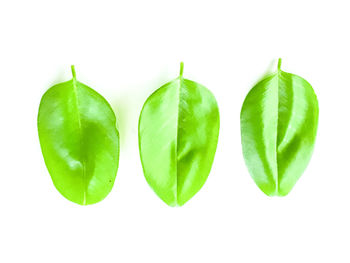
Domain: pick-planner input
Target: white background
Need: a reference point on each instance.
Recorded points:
(127, 49)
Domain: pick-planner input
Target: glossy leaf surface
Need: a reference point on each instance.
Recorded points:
(79, 141)
(279, 120)
(178, 134)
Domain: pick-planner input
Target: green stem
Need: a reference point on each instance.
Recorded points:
(181, 68)
(73, 72)
(279, 64)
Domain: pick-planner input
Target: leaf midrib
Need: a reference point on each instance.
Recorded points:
(75, 91)
(276, 150)
(177, 136)
(278, 128)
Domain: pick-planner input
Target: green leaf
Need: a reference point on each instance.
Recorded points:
(279, 120)
(79, 141)
(178, 135)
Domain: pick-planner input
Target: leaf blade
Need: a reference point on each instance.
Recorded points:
(174, 166)
(258, 120)
(295, 145)
(79, 141)
(288, 142)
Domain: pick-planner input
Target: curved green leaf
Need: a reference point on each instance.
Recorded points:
(178, 134)
(279, 120)
(79, 141)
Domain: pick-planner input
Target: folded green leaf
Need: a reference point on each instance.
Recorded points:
(79, 141)
(178, 134)
(279, 120)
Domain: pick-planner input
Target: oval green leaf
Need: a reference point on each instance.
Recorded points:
(279, 120)
(178, 135)
(79, 141)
